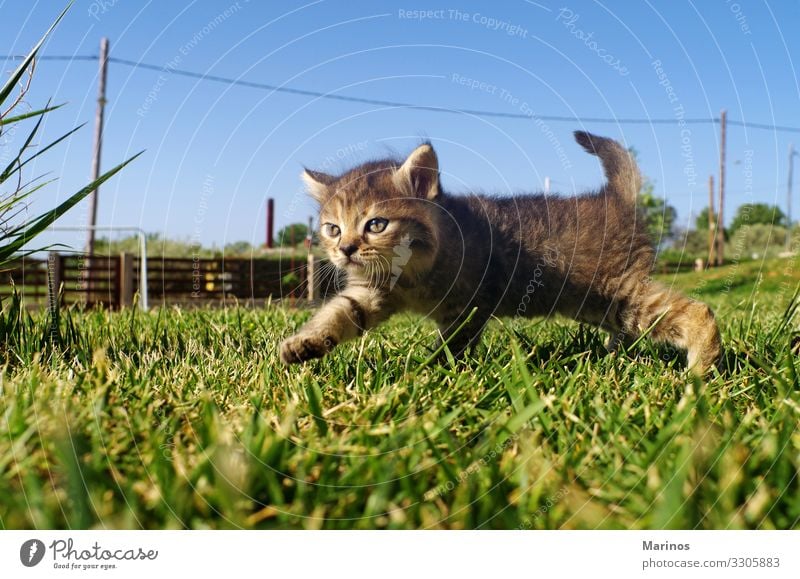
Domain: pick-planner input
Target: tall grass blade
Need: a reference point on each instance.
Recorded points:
(11, 83)
(42, 222)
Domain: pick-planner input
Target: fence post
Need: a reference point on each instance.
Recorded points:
(125, 280)
(55, 274)
(310, 277)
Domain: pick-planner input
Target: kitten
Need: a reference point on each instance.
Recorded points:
(405, 244)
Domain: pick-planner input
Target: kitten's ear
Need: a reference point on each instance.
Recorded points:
(318, 184)
(419, 175)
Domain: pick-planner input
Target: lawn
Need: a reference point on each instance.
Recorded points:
(176, 419)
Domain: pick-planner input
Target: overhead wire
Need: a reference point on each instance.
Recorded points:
(399, 104)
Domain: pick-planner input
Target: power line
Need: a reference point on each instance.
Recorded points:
(781, 128)
(379, 102)
(399, 104)
(56, 57)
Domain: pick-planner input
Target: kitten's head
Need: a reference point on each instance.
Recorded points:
(377, 221)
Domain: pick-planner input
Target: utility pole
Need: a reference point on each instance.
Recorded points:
(712, 230)
(721, 213)
(547, 185)
(788, 241)
(98, 143)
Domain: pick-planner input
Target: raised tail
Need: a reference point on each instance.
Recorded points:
(620, 168)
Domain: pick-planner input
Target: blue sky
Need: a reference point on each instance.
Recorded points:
(216, 152)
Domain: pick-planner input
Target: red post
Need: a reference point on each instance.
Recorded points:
(270, 220)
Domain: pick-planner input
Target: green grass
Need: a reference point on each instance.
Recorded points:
(177, 419)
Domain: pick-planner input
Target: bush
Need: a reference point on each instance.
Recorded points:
(756, 241)
(688, 246)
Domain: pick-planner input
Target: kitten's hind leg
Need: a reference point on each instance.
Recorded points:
(461, 332)
(677, 320)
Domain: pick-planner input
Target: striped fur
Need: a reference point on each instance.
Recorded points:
(441, 255)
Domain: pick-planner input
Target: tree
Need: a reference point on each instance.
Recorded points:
(688, 245)
(757, 213)
(701, 223)
(658, 215)
(157, 246)
(239, 249)
(291, 235)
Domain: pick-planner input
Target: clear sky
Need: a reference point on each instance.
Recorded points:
(215, 152)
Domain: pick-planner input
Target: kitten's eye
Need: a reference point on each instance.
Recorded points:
(376, 225)
(331, 229)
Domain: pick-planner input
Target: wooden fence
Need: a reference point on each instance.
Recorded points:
(114, 280)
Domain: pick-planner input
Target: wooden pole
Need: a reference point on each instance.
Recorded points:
(125, 281)
(291, 263)
(788, 241)
(310, 277)
(55, 275)
(721, 213)
(98, 142)
(712, 229)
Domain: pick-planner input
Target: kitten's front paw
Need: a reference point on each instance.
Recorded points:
(302, 347)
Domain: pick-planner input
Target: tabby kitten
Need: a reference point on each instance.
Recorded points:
(405, 244)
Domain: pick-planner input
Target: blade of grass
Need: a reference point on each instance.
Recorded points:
(16, 166)
(22, 117)
(17, 74)
(444, 343)
(42, 222)
(647, 331)
(16, 159)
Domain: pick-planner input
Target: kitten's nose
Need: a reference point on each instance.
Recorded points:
(348, 249)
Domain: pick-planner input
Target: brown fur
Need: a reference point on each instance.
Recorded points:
(587, 257)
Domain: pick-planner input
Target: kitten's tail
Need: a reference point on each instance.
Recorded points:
(621, 171)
